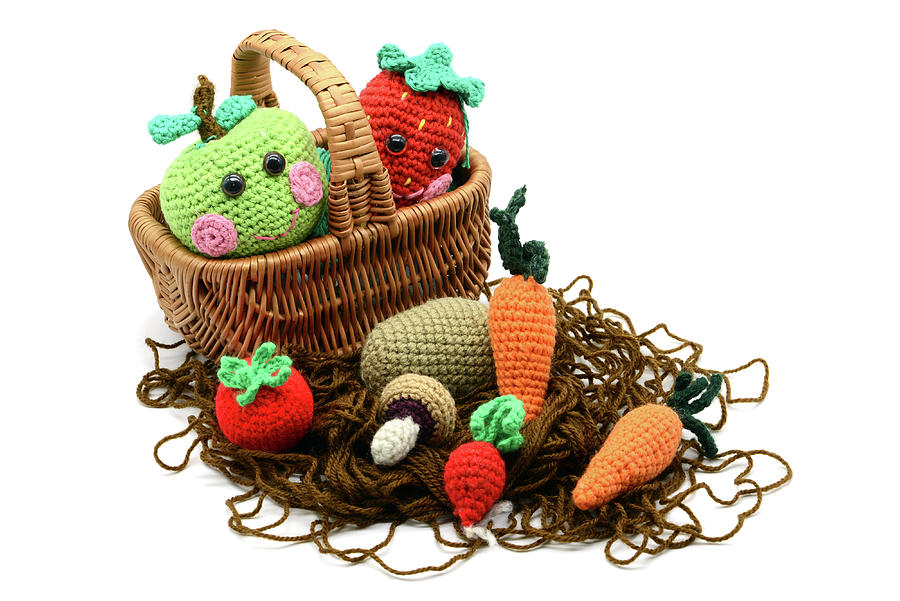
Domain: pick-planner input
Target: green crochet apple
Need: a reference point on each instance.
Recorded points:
(253, 184)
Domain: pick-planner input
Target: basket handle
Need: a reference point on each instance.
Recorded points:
(360, 189)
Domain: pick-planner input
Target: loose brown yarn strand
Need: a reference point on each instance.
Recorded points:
(602, 367)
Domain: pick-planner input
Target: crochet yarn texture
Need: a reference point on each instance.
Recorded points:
(640, 446)
(265, 215)
(414, 408)
(523, 350)
(475, 473)
(498, 422)
(321, 228)
(415, 109)
(474, 478)
(644, 442)
(402, 408)
(337, 480)
(446, 339)
(427, 393)
(393, 441)
(428, 122)
(521, 316)
(258, 408)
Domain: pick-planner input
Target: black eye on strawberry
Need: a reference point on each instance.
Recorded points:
(395, 144)
(416, 111)
(439, 158)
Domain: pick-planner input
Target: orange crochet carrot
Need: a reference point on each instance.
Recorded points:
(644, 442)
(521, 318)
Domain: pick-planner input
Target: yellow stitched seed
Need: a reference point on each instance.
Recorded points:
(408, 179)
(370, 116)
(421, 124)
(403, 97)
(450, 120)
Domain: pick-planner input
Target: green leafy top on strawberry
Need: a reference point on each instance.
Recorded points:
(498, 422)
(431, 71)
(265, 369)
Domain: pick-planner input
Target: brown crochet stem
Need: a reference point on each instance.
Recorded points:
(602, 367)
(204, 99)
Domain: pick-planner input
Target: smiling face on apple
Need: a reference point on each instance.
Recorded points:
(257, 189)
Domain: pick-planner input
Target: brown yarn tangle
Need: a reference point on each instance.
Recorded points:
(602, 367)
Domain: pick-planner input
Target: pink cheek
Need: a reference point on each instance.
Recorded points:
(306, 184)
(438, 186)
(214, 235)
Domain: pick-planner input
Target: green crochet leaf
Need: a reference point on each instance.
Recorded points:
(233, 109)
(265, 369)
(498, 422)
(687, 388)
(233, 373)
(390, 57)
(168, 128)
(529, 259)
(431, 71)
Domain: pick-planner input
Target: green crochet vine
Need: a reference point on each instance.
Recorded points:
(680, 401)
(529, 259)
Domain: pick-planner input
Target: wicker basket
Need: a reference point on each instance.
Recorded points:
(326, 293)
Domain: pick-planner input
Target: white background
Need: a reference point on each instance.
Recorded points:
(751, 148)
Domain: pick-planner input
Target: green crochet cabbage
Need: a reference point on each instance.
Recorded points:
(192, 184)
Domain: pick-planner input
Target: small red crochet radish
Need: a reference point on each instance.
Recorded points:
(475, 473)
(263, 404)
(415, 109)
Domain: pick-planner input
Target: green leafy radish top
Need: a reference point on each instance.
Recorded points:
(253, 184)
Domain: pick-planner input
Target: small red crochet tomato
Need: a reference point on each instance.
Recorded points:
(263, 404)
(415, 110)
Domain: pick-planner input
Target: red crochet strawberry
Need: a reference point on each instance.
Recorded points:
(415, 109)
(263, 404)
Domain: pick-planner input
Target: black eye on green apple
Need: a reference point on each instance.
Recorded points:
(233, 184)
(274, 163)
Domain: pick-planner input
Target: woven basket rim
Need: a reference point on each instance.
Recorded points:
(158, 240)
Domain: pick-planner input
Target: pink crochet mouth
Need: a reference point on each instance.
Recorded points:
(434, 189)
(286, 232)
(412, 196)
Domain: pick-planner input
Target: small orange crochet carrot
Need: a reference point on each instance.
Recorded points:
(521, 318)
(644, 442)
